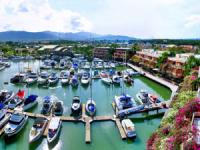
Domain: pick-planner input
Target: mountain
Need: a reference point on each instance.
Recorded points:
(48, 35)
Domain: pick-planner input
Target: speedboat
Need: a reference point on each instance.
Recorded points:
(6, 96)
(18, 78)
(53, 129)
(90, 107)
(38, 129)
(53, 79)
(103, 74)
(15, 124)
(124, 101)
(32, 78)
(107, 80)
(127, 79)
(43, 78)
(17, 100)
(87, 65)
(47, 105)
(76, 106)
(62, 64)
(4, 117)
(46, 65)
(58, 108)
(116, 79)
(99, 65)
(74, 81)
(96, 74)
(143, 97)
(106, 65)
(62, 74)
(65, 78)
(85, 78)
(30, 102)
(129, 128)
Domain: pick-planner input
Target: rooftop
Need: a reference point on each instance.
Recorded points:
(47, 47)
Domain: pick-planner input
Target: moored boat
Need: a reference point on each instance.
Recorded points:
(32, 78)
(18, 78)
(47, 105)
(90, 107)
(17, 100)
(107, 80)
(116, 80)
(127, 79)
(76, 106)
(58, 108)
(43, 78)
(74, 81)
(65, 78)
(30, 102)
(37, 129)
(15, 124)
(54, 129)
(85, 79)
(53, 79)
(6, 96)
(143, 97)
(129, 128)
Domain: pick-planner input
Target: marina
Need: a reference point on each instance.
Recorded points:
(105, 113)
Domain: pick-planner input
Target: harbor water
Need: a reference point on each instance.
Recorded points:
(104, 135)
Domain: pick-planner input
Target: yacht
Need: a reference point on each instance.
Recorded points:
(32, 78)
(85, 79)
(30, 102)
(107, 80)
(127, 79)
(124, 101)
(43, 78)
(53, 79)
(90, 107)
(16, 100)
(129, 128)
(4, 117)
(143, 97)
(58, 108)
(18, 78)
(76, 106)
(37, 129)
(47, 105)
(54, 129)
(15, 124)
(6, 96)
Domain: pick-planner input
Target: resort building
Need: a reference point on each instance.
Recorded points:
(120, 54)
(148, 57)
(175, 65)
(101, 52)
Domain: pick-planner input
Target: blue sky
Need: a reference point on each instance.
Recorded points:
(137, 18)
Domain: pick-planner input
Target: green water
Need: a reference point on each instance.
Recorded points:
(104, 135)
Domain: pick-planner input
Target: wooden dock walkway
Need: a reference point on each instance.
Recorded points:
(120, 128)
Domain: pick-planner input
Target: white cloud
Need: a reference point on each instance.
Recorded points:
(193, 21)
(38, 15)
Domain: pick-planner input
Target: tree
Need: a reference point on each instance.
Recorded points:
(191, 63)
(162, 59)
(112, 50)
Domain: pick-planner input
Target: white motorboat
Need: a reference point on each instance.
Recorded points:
(32, 78)
(30, 102)
(15, 124)
(107, 80)
(47, 105)
(53, 79)
(129, 128)
(4, 117)
(85, 79)
(90, 107)
(76, 106)
(54, 129)
(127, 79)
(43, 78)
(37, 129)
(65, 79)
(6, 96)
(143, 97)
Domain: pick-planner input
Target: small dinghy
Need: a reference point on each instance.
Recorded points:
(90, 107)
(30, 102)
(15, 124)
(76, 106)
(38, 129)
(54, 129)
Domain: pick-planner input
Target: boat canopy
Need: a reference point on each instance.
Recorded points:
(54, 123)
(39, 122)
(30, 98)
(1, 106)
(125, 98)
(17, 118)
